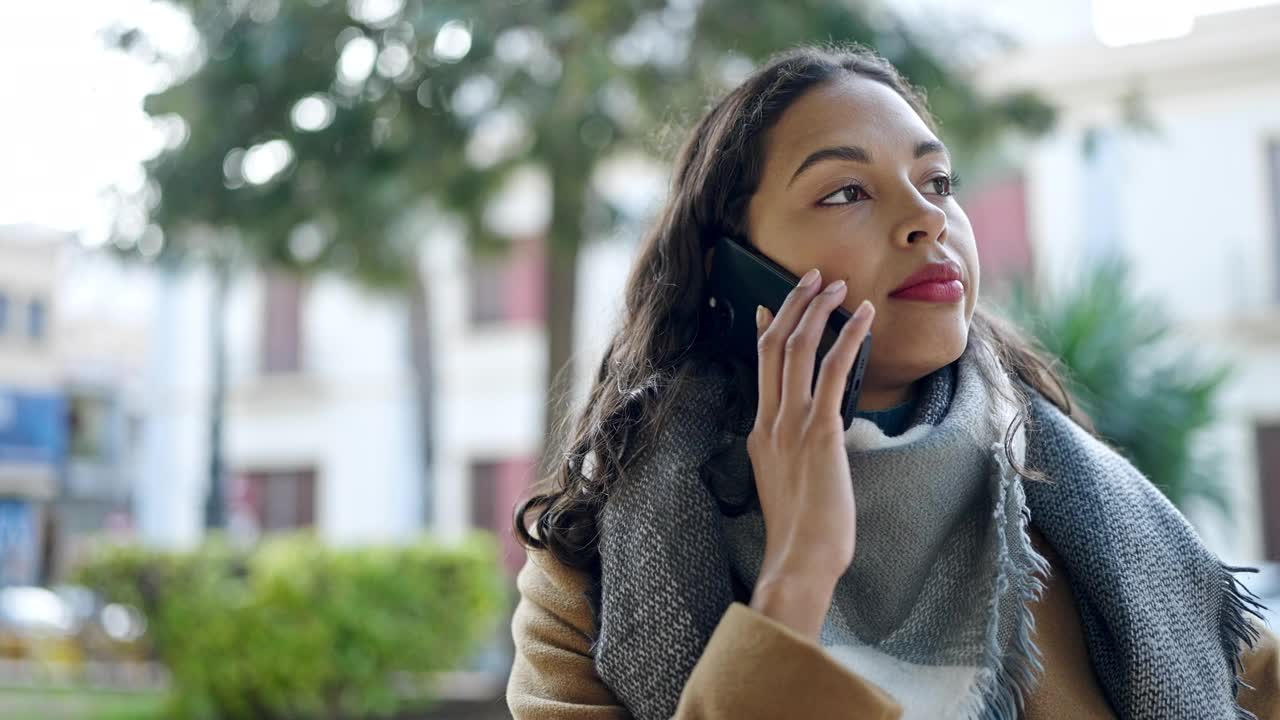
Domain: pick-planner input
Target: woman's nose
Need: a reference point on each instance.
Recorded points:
(921, 220)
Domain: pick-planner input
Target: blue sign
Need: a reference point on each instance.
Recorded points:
(33, 427)
(18, 543)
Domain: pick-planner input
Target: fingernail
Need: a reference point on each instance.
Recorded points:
(834, 287)
(809, 277)
(760, 317)
(863, 309)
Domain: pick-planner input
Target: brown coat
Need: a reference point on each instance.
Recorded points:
(755, 667)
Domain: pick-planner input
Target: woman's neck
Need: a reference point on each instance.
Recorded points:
(883, 398)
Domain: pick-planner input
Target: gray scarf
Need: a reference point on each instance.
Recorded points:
(936, 599)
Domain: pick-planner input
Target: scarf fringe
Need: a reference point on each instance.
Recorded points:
(1238, 629)
(1002, 692)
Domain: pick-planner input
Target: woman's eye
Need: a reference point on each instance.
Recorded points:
(944, 184)
(850, 193)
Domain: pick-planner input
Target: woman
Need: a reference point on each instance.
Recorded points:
(951, 588)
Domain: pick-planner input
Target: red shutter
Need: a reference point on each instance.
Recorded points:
(526, 282)
(998, 213)
(278, 500)
(281, 323)
(496, 486)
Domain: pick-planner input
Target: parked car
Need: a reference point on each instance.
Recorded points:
(36, 623)
(67, 625)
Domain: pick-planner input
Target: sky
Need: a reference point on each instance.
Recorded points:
(73, 123)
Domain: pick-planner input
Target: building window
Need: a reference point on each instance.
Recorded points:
(281, 324)
(997, 211)
(1102, 191)
(281, 500)
(90, 417)
(37, 319)
(1273, 172)
(484, 494)
(509, 288)
(1267, 439)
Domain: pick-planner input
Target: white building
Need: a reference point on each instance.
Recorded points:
(70, 351)
(319, 424)
(33, 435)
(99, 339)
(1194, 205)
(489, 327)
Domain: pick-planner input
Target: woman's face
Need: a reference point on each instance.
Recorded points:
(897, 217)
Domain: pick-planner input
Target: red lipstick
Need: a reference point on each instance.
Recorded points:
(934, 282)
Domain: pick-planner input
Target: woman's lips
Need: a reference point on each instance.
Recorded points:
(942, 292)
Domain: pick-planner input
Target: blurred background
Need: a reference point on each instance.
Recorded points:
(286, 287)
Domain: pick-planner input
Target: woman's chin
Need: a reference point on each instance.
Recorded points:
(927, 347)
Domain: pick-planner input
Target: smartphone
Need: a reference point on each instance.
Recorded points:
(741, 278)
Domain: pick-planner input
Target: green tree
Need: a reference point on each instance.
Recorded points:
(315, 127)
(1146, 393)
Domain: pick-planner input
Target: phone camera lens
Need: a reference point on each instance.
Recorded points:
(726, 315)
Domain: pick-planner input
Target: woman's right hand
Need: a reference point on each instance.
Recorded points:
(798, 456)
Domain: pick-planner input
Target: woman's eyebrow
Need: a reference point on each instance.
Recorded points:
(849, 153)
(929, 147)
(854, 153)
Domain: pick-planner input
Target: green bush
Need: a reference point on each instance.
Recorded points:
(1145, 386)
(294, 628)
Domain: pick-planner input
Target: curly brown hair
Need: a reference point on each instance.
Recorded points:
(663, 333)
